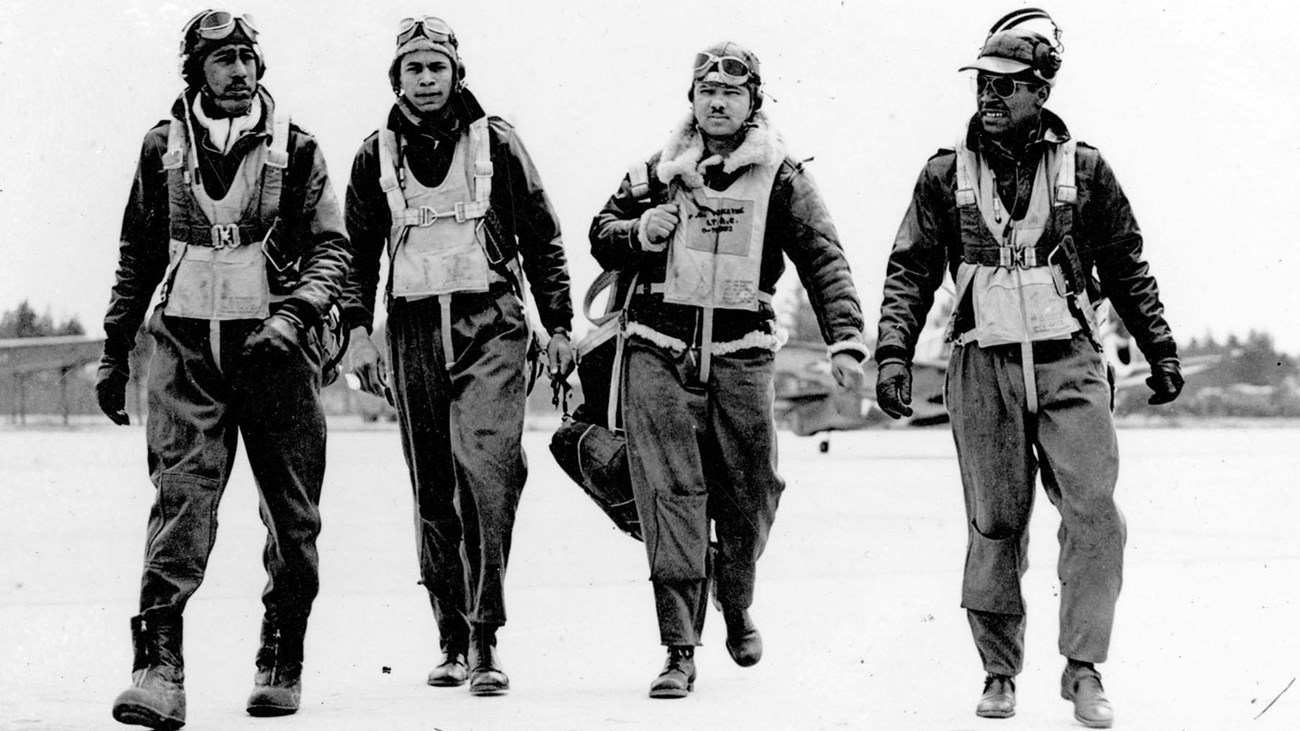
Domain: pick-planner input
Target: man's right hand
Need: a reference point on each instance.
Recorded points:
(659, 223)
(894, 389)
(110, 390)
(365, 361)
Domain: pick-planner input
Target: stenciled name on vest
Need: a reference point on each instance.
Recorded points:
(715, 266)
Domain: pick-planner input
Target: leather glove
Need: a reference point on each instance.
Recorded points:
(559, 356)
(657, 226)
(110, 390)
(894, 389)
(1165, 381)
(365, 361)
(278, 336)
(847, 371)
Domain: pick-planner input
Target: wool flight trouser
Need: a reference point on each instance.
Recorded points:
(699, 453)
(1000, 448)
(197, 408)
(461, 424)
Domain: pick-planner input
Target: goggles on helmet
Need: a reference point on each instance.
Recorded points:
(733, 70)
(1003, 86)
(219, 24)
(435, 29)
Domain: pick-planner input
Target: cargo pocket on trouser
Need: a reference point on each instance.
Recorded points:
(992, 578)
(183, 524)
(681, 537)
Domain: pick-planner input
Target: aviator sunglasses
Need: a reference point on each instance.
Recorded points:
(1003, 86)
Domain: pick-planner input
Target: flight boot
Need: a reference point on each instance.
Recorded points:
(744, 643)
(485, 674)
(677, 679)
(454, 668)
(277, 683)
(156, 697)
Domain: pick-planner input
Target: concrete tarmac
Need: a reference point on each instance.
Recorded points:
(857, 599)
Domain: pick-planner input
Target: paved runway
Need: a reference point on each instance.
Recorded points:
(858, 595)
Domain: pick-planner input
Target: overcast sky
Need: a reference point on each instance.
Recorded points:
(1194, 104)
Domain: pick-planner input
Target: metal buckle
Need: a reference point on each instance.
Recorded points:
(225, 236)
(1024, 258)
(428, 216)
(460, 212)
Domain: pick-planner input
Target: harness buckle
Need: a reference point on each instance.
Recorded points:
(460, 212)
(225, 236)
(1022, 258)
(428, 216)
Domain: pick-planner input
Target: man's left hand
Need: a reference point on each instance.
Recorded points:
(1165, 381)
(278, 336)
(848, 372)
(559, 356)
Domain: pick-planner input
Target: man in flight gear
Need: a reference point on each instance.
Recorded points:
(452, 197)
(1035, 231)
(706, 230)
(232, 212)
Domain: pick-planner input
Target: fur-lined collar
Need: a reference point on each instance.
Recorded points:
(682, 155)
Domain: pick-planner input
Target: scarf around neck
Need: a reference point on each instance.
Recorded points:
(224, 132)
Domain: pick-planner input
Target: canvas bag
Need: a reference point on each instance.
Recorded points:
(589, 445)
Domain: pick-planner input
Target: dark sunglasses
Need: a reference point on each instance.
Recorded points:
(1003, 86)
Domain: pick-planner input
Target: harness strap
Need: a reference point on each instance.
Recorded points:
(183, 155)
(478, 138)
(607, 279)
(961, 283)
(616, 378)
(223, 236)
(1066, 192)
(175, 156)
(214, 342)
(638, 175)
(1027, 360)
(1007, 257)
(275, 168)
(966, 195)
(706, 344)
(612, 410)
(1027, 371)
(427, 216)
(660, 288)
(388, 177)
(390, 181)
(444, 311)
(278, 154)
(272, 184)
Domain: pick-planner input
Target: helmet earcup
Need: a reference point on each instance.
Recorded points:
(1047, 61)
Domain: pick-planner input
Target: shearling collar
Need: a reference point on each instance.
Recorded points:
(682, 156)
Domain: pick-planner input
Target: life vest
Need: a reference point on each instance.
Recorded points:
(716, 254)
(436, 244)
(1013, 269)
(217, 264)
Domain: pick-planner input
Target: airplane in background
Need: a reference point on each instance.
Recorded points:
(20, 358)
(809, 402)
(55, 352)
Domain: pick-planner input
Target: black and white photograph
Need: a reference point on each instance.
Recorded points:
(680, 365)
